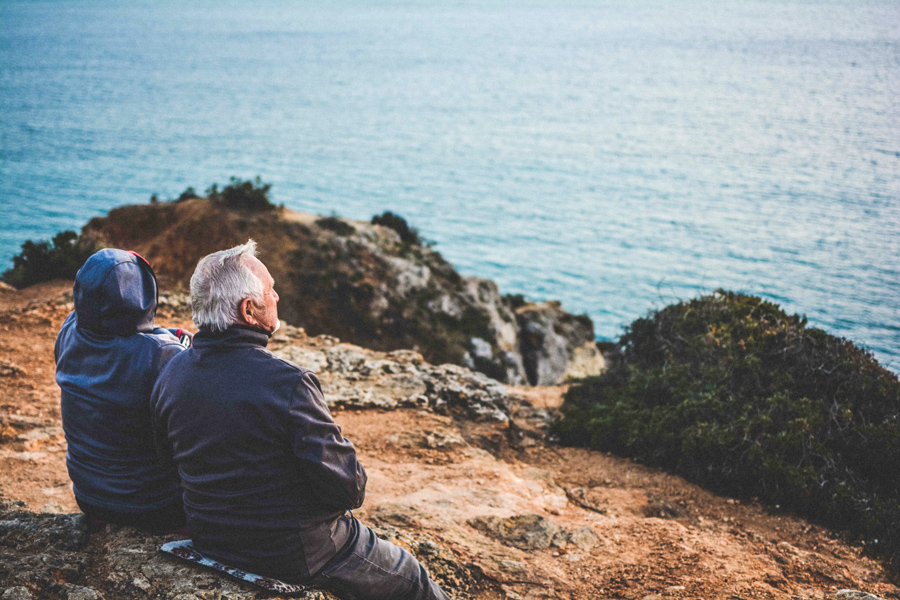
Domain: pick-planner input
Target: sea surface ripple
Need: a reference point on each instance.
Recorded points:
(616, 156)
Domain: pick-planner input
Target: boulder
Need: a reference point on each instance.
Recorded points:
(556, 345)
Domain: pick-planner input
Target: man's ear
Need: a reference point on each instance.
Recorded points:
(246, 311)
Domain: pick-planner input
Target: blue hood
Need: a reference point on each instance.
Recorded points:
(115, 294)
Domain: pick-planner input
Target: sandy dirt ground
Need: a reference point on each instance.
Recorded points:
(657, 536)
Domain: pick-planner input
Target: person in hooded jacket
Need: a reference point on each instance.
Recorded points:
(108, 355)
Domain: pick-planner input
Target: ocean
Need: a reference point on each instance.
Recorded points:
(617, 156)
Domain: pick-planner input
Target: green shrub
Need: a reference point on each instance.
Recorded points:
(337, 225)
(733, 393)
(606, 347)
(408, 235)
(59, 258)
(188, 194)
(251, 195)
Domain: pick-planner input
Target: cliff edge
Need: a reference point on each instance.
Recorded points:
(368, 285)
(461, 473)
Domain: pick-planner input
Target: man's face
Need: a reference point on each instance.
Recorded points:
(266, 316)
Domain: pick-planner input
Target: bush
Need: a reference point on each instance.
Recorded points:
(733, 393)
(408, 235)
(515, 301)
(41, 261)
(188, 194)
(337, 225)
(250, 195)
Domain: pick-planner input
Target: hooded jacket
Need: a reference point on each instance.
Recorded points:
(108, 355)
(266, 473)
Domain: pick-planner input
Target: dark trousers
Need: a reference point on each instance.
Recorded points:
(369, 568)
(163, 520)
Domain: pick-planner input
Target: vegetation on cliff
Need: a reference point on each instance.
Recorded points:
(375, 284)
(59, 258)
(378, 284)
(408, 235)
(737, 395)
(250, 195)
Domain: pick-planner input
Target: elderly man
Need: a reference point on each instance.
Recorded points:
(267, 476)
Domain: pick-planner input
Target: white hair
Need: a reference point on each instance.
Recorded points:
(221, 281)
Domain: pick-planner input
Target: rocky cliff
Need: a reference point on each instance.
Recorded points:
(460, 473)
(368, 285)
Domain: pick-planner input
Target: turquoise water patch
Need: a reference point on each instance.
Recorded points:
(617, 157)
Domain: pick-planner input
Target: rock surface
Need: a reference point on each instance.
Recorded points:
(526, 532)
(556, 345)
(48, 556)
(630, 531)
(362, 283)
(353, 377)
(852, 595)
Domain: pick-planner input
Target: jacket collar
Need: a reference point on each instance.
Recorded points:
(236, 335)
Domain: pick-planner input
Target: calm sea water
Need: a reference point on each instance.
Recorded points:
(618, 156)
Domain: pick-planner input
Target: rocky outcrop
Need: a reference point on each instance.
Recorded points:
(463, 495)
(52, 556)
(364, 284)
(534, 532)
(57, 556)
(353, 377)
(356, 378)
(556, 345)
(526, 532)
(852, 595)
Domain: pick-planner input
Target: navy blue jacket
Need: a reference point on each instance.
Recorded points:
(108, 355)
(265, 470)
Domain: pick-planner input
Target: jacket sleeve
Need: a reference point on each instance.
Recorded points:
(324, 455)
(63, 331)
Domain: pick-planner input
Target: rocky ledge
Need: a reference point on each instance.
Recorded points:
(57, 556)
(366, 284)
(53, 556)
(465, 480)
